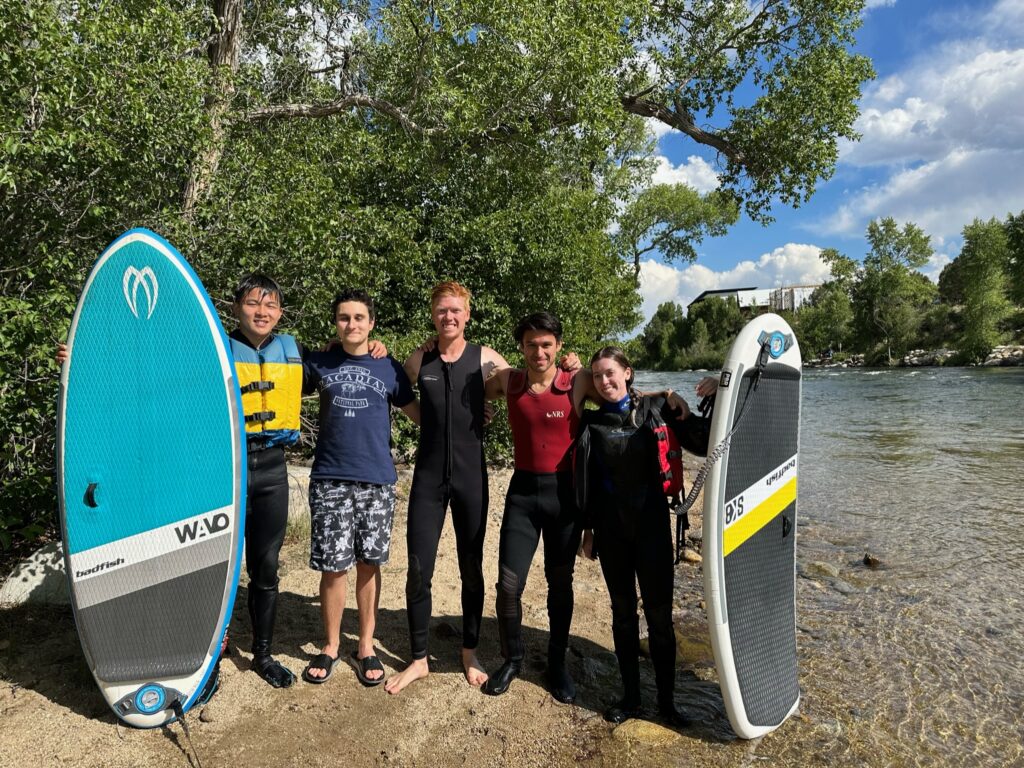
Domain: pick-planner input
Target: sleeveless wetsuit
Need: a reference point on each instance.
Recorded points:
(450, 471)
(540, 503)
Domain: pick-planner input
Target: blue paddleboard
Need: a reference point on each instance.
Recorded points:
(750, 502)
(151, 478)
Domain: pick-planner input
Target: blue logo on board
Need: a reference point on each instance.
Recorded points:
(778, 342)
(140, 278)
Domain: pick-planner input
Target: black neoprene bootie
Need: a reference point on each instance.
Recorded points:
(262, 610)
(560, 683)
(671, 716)
(499, 682)
(622, 710)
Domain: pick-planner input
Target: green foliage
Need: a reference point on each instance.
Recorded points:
(825, 322)
(888, 293)
(1015, 257)
(951, 283)
(701, 339)
(658, 343)
(984, 258)
(941, 328)
(795, 58)
(671, 219)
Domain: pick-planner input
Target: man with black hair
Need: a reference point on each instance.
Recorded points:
(270, 375)
(540, 501)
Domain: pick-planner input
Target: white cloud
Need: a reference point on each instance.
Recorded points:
(695, 172)
(1007, 15)
(946, 133)
(790, 264)
(878, 4)
(964, 99)
(941, 196)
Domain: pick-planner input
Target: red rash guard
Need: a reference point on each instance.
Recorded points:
(543, 425)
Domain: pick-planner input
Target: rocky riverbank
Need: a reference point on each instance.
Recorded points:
(1006, 355)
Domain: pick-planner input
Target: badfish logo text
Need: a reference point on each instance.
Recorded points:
(131, 282)
(100, 567)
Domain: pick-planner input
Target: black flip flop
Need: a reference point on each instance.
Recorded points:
(365, 665)
(320, 661)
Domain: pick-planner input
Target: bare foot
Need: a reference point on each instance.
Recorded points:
(416, 670)
(475, 674)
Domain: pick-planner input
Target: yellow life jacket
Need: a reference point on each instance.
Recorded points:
(271, 382)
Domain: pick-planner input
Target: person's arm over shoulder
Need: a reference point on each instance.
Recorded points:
(403, 396)
(582, 388)
(497, 386)
(310, 375)
(491, 361)
(692, 431)
(412, 365)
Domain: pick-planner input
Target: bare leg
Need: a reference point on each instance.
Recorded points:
(333, 587)
(416, 670)
(475, 674)
(367, 597)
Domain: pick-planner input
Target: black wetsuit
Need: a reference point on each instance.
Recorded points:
(450, 471)
(630, 516)
(266, 520)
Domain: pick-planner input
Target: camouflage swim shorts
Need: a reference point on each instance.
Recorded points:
(350, 521)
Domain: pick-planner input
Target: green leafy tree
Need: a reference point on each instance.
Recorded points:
(689, 60)
(671, 219)
(1015, 257)
(659, 340)
(888, 292)
(951, 283)
(984, 257)
(723, 319)
(825, 322)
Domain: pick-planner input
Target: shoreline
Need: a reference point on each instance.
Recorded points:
(45, 686)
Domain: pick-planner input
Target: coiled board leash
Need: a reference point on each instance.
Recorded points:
(723, 445)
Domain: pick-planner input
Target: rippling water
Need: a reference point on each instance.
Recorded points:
(921, 661)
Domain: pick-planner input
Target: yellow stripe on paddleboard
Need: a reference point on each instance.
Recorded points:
(757, 518)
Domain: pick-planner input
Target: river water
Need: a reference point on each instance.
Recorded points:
(919, 662)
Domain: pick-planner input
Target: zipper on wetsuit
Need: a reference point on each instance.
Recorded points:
(447, 367)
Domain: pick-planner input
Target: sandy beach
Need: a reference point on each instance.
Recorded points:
(52, 714)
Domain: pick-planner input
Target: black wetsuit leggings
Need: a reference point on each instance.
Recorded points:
(430, 497)
(537, 505)
(643, 556)
(266, 518)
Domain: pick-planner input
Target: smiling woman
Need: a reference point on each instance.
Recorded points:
(626, 517)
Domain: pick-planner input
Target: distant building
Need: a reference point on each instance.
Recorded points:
(747, 298)
(790, 297)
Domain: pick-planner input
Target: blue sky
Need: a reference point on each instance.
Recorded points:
(942, 144)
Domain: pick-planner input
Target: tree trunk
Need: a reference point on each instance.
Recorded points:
(222, 52)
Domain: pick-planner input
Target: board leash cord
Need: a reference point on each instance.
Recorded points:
(723, 445)
(180, 715)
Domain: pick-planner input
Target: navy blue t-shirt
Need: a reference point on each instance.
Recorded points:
(356, 395)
